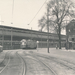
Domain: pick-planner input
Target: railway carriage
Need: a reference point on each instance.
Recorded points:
(28, 44)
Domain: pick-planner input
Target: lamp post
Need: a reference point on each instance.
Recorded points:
(67, 35)
(48, 28)
(31, 30)
(31, 33)
(41, 37)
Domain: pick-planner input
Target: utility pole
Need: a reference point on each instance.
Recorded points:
(67, 37)
(41, 37)
(48, 28)
(31, 33)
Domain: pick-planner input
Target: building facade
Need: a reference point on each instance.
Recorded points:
(10, 37)
(70, 35)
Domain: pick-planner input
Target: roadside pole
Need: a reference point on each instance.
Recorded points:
(41, 37)
(48, 29)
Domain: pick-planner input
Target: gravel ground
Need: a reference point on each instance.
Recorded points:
(59, 53)
(14, 67)
(65, 59)
(33, 66)
(2, 55)
(61, 63)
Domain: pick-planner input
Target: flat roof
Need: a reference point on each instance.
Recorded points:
(26, 29)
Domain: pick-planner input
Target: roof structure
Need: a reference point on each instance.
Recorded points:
(9, 27)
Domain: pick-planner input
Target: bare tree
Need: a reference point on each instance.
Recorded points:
(59, 12)
(42, 23)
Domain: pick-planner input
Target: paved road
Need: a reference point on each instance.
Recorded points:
(37, 62)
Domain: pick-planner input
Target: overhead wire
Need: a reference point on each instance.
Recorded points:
(37, 12)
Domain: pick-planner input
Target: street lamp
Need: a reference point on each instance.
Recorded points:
(41, 37)
(48, 28)
(31, 31)
(11, 36)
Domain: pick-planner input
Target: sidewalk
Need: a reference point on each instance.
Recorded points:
(59, 53)
(53, 50)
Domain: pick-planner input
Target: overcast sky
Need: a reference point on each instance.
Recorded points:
(23, 13)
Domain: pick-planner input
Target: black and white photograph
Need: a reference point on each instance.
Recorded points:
(37, 37)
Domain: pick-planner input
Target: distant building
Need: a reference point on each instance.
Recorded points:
(10, 37)
(70, 35)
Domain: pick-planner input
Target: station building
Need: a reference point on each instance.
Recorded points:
(10, 37)
(70, 35)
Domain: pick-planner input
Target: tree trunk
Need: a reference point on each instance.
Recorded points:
(59, 35)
